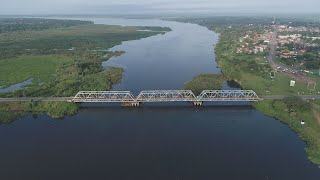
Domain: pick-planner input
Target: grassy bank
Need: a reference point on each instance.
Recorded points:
(11, 111)
(309, 132)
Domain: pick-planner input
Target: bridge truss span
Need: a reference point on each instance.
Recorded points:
(104, 96)
(166, 96)
(126, 97)
(228, 95)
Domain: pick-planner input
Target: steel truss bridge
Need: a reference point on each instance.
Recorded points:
(128, 99)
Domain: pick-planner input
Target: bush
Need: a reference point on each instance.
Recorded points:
(295, 103)
(205, 82)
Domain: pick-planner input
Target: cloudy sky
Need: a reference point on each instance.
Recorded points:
(157, 6)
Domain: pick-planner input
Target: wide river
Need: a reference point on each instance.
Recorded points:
(156, 143)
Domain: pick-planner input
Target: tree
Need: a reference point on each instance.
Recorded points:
(296, 103)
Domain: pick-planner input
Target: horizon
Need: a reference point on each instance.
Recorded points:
(159, 7)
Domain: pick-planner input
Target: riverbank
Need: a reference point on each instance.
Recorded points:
(309, 131)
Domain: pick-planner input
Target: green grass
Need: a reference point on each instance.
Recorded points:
(280, 85)
(22, 68)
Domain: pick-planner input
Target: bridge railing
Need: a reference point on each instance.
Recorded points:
(228, 95)
(104, 96)
(165, 96)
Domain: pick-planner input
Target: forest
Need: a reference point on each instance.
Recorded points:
(8, 25)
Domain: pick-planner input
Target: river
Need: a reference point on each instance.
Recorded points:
(178, 143)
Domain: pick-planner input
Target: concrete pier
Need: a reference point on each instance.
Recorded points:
(197, 103)
(130, 104)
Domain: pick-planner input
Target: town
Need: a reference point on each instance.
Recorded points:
(297, 48)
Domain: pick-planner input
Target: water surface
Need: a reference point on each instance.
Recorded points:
(16, 87)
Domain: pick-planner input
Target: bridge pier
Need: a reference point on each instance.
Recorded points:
(197, 103)
(130, 104)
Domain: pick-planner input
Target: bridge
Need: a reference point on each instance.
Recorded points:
(128, 99)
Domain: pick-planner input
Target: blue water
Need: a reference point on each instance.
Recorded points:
(16, 87)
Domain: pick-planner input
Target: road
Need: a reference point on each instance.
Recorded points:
(44, 99)
(288, 70)
(273, 47)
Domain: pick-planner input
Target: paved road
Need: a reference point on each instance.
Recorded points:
(273, 47)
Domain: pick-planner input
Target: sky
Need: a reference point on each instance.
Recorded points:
(36, 7)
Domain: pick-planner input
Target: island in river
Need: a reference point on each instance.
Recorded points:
(60, 58)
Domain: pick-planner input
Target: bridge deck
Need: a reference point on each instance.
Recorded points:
(127, 97)
(166, 96)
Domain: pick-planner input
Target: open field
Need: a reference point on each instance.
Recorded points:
(22, 68)
(280, 85)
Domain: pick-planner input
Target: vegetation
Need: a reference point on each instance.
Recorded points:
(308, 60)
(205, 81)
(7, 117)
(22, 68)
(291, 111)
(61, 57)
(34, 24)
(12, 110)
(70, 40)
